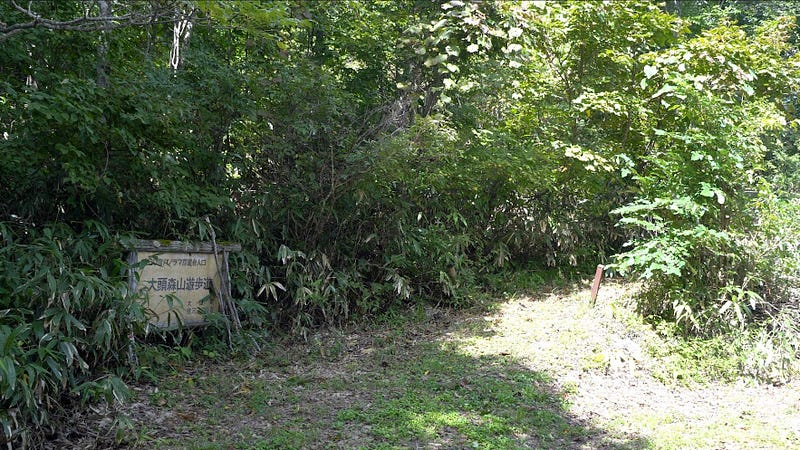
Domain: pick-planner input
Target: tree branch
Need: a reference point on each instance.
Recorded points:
(101, 22)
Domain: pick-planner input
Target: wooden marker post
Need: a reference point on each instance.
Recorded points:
(598, 275)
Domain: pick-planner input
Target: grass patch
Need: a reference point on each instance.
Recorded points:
(449, 398)
(405, 383)
(695, 360)
(545, 371)
(681, 359)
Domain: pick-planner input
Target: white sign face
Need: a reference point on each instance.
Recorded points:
(180, 286)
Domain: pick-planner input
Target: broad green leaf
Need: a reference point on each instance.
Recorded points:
(664, 90)
(438, 25)
(438, 59)
(8, 369)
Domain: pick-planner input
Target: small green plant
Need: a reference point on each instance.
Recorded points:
(699, 187)
(769, 352)
(694, 360)
(66, 318)
(159, 398)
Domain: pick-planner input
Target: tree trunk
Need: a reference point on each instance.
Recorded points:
(181, 29)
(102, 48)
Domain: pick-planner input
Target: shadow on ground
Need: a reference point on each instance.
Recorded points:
(405, 383)
(441, 397)
(445, 399)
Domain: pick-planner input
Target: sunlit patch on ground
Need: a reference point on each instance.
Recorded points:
(600, 357)
(547, 370)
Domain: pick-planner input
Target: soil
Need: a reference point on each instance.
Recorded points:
(622, 390)
(591, 353)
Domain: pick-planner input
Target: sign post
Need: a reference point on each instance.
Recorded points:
(181, 281)
(598, 276)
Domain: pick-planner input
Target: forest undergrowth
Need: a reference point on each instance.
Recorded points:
(375, 157)
(537, 369)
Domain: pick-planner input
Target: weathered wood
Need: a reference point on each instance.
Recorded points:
(598, 276)
(181, 281)
(147, 245)
(179, 287)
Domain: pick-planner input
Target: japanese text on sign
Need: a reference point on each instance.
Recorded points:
(186, 262)
(178, 284)
(189, 278)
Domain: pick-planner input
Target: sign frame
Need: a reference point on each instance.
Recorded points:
(207, 266)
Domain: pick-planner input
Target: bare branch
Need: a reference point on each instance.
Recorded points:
(86, 23)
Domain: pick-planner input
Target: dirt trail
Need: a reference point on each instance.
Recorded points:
(592, 353)
(324, 394)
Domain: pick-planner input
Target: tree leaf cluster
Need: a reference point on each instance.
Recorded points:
(369, 155)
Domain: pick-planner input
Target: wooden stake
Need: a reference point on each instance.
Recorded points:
(598, 275)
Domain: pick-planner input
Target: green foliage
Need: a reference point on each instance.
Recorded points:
(65, 320)
(707, 119)
(371, 154)
(769, 353)
(573, 117)
(693, 360)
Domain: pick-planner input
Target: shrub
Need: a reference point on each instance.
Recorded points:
(66, 318)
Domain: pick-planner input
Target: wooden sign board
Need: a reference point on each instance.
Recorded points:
(180, 281)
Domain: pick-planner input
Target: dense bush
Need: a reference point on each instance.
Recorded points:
(66, 320)
(372, 154)
(701, 179)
